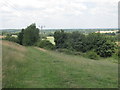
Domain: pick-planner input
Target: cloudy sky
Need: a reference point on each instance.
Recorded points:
(59, 13)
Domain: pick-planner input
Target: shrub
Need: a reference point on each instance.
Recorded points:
(118, 52)
(10, 38)
(45, 44)
(106, 49)
(92, 55)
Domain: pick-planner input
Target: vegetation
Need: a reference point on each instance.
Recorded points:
(64, 59)
(45, 44)
(20, 37)
(92, 55)
(28, 67)
(60, 39)
(29, 36)
(10, 38)
(84, 43)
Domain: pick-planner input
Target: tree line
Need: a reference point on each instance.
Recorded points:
(99, 44)
(77, 41)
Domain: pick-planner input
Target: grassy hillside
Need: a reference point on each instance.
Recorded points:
(31, 67)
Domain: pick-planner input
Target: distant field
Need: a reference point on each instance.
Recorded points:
(47, 31)
(29, 67)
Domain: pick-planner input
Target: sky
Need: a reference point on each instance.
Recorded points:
(59, 14)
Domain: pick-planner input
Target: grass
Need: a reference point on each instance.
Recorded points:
(28, 67)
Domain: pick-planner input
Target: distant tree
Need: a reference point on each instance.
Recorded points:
(20, 36)
(77, 41)
(60, 38)
(92, 39)
(31, 35)
(105, 49)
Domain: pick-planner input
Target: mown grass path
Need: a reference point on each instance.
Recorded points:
(50, 69)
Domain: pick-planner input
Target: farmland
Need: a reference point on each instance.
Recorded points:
(30, 67)
(47, 31)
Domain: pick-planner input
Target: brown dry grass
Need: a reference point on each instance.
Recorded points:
(2, 36)
(15, 45)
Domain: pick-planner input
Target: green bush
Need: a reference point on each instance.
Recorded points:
(118, 53)
(10, 38)
(45, 44)
(92, 55)
(106, 49)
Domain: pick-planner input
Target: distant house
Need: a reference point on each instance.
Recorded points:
(14, 36)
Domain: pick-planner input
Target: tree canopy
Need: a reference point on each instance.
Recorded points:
(29, 36)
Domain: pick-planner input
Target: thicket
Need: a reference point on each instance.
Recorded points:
(45, 44)
(79, 42)
(10, 38)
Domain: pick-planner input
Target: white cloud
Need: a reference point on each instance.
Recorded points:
(58, 12)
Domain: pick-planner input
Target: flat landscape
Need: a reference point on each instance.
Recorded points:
(31, 67)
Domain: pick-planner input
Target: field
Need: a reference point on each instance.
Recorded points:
(30, 67)
(48, 31)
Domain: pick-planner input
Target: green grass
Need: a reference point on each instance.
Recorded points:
(29, 67)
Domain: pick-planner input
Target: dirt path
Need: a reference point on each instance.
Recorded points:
(41, 49)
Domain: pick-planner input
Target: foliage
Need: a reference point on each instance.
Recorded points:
(29, 36)
(118, 37)
(102, 44)
(45, 44)
(106, 49)
(20, 36)
(92, 55)
(60, 38)
(77, 41)
(10, 38)
(118, 52)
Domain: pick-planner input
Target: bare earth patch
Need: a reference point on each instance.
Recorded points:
(41, 49)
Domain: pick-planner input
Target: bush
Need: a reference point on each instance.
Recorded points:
(106, 49)
(45, 44)
(92, 55)
(119, 54)
(10, 38)
(116, 55)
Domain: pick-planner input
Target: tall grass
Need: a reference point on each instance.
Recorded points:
(29, 67)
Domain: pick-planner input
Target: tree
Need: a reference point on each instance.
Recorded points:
(31, 35)
(60, 38)
(77, 41)
(106, 49)
(20, 36)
